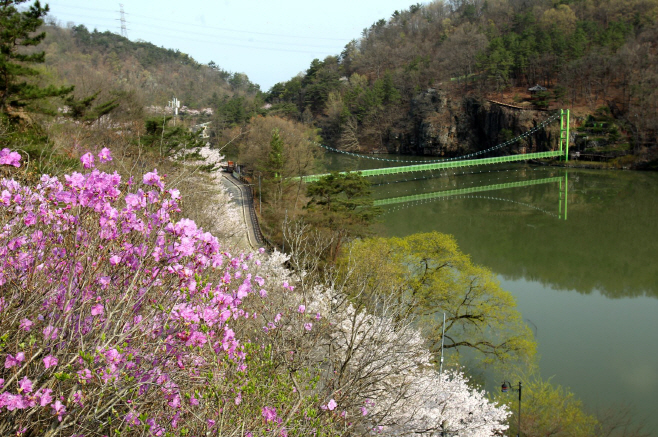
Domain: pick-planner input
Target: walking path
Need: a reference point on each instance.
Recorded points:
(242, 198)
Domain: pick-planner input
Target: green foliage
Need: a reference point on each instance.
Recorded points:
(341, 204)
(542, 99)
(275, 160)
(321, 78)
(433, 277)
(82, 109)
(106, 42)
(174, 141)
(234, 110)
(342, 196)
(497, 61)
(34, 145)
(17, 31)
(548, 409)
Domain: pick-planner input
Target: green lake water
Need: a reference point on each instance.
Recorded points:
(585, 278)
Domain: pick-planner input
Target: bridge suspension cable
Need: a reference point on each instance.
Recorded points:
(456, 158)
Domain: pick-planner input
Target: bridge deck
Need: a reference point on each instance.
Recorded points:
(457, 192)
(446, 164)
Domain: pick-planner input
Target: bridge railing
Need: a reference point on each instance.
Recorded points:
(445, 165)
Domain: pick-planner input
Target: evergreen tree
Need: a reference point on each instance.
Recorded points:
(343, 205)
(82, 110)
(275, 158)
(17, 31)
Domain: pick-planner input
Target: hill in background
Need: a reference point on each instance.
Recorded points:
(430, 80)
(142, 75)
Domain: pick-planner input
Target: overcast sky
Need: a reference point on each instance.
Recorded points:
(269, 40)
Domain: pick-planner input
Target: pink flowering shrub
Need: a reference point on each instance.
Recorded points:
(117, 318)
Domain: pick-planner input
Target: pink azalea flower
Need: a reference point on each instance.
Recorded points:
(59, 409)
(44, 396)
(97, 310)
(50, 332)
(308, 326)
(197, 339)
(84, 375)
(12, 361)
(269, 414)
(7, 157)
(174, 193)
(175, 402)
(331, 405)
(12, 402)
(87, 160)
(364, 411)
(302, 309)
(113, 356)
(50, 361)
(105, 155)
(25, 385)
(25, 324)
(152, 178)
(30, 219)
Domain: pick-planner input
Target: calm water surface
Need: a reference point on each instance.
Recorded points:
(587, 285)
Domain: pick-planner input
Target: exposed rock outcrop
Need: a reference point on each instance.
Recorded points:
(441, 126)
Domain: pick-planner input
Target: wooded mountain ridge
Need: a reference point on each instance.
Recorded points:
(141, 74)
(423, 80)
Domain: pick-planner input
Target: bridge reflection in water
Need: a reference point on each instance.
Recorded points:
(562, 182)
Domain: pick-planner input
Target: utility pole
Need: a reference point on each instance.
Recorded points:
(124, 29)
(443, 334)
(508, 385)
(174, 105)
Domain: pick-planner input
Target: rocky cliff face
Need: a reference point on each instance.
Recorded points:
(441, 126)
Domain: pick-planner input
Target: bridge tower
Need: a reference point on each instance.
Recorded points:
(564, 132)
(564, 196)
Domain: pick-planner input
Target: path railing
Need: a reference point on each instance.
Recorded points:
(258, 233)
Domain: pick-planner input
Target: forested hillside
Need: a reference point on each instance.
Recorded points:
(422, 81)
(140, 74)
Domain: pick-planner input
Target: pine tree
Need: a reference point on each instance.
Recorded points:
(275, 158)
(17, 32)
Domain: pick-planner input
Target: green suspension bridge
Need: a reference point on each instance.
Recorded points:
(466, 160)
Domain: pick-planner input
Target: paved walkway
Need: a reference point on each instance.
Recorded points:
(242, 199)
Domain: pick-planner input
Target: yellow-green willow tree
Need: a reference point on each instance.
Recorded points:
(431, 277)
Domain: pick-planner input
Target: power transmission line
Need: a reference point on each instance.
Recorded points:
(324, 51)
(224, 29)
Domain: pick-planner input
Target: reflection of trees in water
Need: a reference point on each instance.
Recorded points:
(609, 243)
